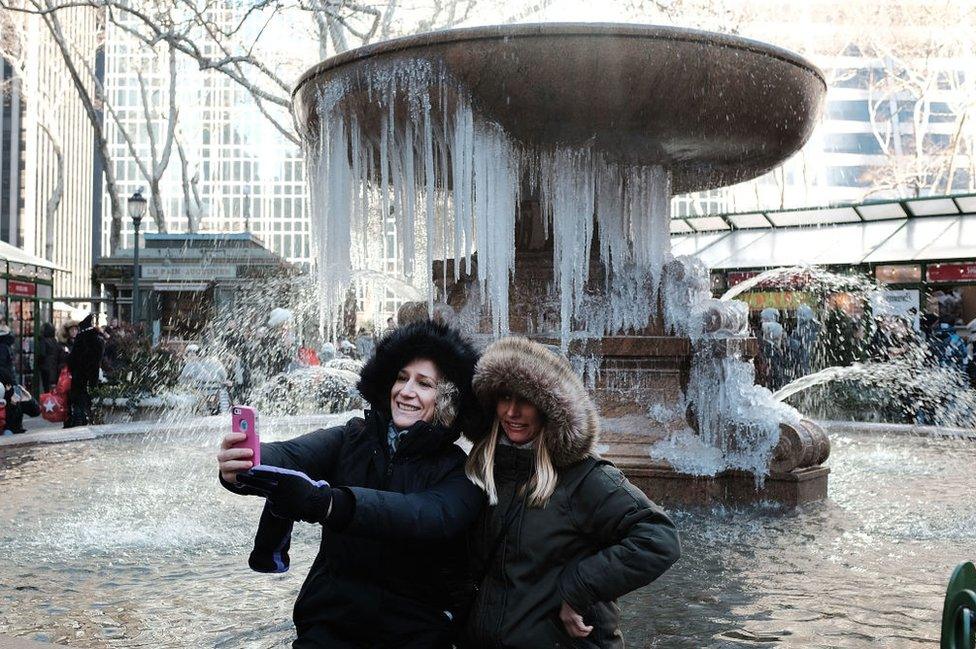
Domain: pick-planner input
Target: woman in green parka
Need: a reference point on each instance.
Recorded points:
(565, 534)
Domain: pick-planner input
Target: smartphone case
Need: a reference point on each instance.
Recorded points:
(244, 419)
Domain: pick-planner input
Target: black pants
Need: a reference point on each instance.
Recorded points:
(79, 404)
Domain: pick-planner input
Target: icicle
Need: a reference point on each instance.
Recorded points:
(430, 189)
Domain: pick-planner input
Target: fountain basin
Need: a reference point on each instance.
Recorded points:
(713, 109)
(128, 540)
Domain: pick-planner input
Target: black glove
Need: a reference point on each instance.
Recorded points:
(292, 494)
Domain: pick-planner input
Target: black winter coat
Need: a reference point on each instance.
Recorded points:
(7, 374)
(85, 358)
(598, 538)
(397, 573)
(50, 356)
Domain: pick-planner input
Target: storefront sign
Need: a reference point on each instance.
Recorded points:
(21, 288)
(189, 272)
(901, 303)
(963, 272)
(776, 299)
(739, 276)
(898, 273)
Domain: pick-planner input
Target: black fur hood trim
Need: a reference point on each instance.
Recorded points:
(453, 355)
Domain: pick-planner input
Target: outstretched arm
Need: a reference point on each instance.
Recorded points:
(314, 454)
(444, 511)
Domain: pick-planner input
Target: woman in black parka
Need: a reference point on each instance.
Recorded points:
(50, 357)
(565, 534)
(391, 569)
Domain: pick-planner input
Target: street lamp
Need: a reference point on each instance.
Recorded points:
(137, 209)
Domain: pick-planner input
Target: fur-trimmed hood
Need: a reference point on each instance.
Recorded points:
(519, 366)
(453, 355)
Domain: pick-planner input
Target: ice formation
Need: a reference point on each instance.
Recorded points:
(420, 167)
(406, 171)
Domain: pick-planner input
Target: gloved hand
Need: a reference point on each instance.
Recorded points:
(292, 494)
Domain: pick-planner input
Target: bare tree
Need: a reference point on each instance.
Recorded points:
(192, 205)
(160, 148)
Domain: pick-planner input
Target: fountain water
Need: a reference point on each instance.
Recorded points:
(532, 208)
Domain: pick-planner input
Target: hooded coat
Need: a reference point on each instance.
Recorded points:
(50, 356)
(597, 538)
(85, 358)
(8, 375)
(391, 570)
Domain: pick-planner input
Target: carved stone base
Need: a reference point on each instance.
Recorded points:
(665, 486)
(796, 474)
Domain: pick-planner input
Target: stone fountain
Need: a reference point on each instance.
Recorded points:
(523, 175)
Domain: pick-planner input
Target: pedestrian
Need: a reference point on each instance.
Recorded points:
(949, 347)
(565, 533)
(773, 349)
(84, 362)
(364, 344)
(19, 402)
(802, 341)
(67, 333)
(8, 376)
(386, 588)
(50, 357)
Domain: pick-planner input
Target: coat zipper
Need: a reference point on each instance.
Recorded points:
(504, 555)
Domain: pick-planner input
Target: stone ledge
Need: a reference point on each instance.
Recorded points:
(666, 486)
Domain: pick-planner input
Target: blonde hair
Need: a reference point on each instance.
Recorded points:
(480, 468)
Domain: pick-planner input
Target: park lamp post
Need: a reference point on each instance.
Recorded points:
(137, 209)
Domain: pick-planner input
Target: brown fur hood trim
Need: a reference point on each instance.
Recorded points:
(519, 366)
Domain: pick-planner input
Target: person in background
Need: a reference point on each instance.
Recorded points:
(364, 344)
(8, 375)
(347, 349)
(802, 341)
(84, 361)
(19, 403)
(67, 333)
(390, 325)
(327, 353)
(950, 348)
(50, 357)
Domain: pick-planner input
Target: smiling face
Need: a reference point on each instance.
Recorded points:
(414, 393)
(520, 419)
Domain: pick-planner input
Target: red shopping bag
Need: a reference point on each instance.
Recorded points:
(53, 407)
(64, 382)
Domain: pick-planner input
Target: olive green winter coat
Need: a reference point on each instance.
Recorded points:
(598, 538)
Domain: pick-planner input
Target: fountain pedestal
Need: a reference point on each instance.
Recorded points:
(632, 376)
(482, 119)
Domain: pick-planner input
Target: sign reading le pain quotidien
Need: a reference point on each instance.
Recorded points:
(189, 271)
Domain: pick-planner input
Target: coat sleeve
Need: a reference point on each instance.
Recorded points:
(314, 454)
(637, 541)
(445, 511)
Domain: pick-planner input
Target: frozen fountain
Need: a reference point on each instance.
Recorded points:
(523, 174)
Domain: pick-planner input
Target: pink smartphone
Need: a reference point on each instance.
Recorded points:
(244, 419)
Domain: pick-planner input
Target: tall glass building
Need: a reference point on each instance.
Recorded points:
(242, 174)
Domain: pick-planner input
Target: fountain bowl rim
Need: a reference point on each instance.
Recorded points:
(556, 29)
